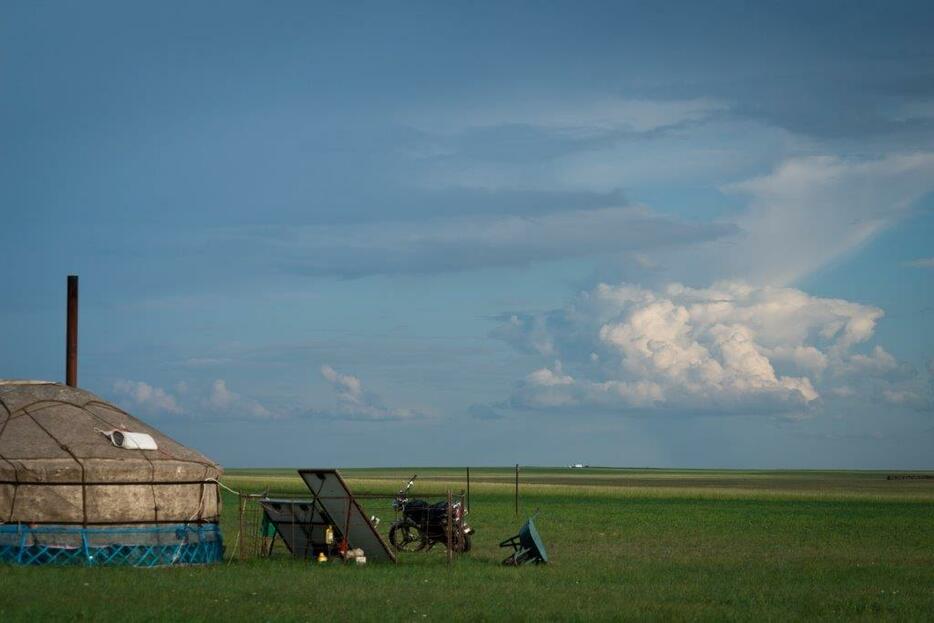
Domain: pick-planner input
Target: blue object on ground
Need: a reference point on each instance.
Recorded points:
(527, 546)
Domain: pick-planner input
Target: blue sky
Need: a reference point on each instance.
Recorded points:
(660, 234)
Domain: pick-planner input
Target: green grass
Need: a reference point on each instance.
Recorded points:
(624, 544)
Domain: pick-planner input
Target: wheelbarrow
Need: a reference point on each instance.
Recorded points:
(526, 546)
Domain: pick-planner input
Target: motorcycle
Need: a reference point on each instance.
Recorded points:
(423, 525)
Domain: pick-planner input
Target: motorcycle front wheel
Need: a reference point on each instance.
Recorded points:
(406, 537)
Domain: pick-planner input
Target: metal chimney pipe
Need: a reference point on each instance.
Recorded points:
(71, 334)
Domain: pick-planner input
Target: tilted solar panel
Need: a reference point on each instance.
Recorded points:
(302, 523)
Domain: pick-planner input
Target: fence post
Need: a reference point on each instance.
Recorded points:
(450, 529)
(517, 489)
(242, 508)
(467, 503)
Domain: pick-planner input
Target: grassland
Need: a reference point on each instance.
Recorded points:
(624, 544)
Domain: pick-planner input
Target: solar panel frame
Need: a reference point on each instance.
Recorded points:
(297, 525)
(334, 496)
(301, 523)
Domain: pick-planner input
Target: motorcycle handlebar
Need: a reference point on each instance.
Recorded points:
(408, 485)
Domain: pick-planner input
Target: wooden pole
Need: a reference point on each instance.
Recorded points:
(467, 503)
(461, 537)
(517, 489)
(242, 508)
(450, 530)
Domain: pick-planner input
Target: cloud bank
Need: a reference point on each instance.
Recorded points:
(483, 241)
(583, 116)
(730, 348)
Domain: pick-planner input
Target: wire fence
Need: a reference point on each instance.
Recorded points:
(257, 537)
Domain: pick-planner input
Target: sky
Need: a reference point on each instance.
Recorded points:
(374, 234)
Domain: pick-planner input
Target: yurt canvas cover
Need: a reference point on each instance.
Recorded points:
(69, 494)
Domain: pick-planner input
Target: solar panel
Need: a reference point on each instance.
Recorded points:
(335, 498)
(302, 523)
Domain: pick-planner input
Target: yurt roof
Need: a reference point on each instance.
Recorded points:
(50, 432)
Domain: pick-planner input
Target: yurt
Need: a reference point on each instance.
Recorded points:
(84, 482)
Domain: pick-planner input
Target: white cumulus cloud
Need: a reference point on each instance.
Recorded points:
(224, 401)
(217, 400)
(354, 403)
(148, 397)
(731, 347)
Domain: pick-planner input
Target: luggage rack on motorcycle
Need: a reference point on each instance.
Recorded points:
(331, 521)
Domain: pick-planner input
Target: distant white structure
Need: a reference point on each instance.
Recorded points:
(576, 466)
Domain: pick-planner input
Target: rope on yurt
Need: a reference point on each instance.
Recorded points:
(84, 491)
(9, 462)
(222, 485)
(236, 546)
(152, 466)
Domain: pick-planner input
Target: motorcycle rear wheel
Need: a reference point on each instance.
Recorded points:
(462, 546)
(406, 537)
